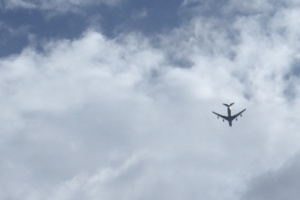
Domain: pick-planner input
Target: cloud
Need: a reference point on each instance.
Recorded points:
(55, 5)
(278, 184)
(255, 43)
(130, 116)
(138, 15)
(83, 108)
(252, 7)
(19, 3)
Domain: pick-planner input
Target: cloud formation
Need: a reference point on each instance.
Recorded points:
(130, 117)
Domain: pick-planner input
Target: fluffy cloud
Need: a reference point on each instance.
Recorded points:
(130, 117)
(76, 115)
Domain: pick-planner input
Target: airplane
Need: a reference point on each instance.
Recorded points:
(230, 117)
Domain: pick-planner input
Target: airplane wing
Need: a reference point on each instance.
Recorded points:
(224, 117)
(235, 116)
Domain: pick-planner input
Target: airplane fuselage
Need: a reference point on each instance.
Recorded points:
(229, 116)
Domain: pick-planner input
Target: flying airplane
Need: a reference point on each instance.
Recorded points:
(230, 117)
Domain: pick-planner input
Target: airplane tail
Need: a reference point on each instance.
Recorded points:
(228, 105)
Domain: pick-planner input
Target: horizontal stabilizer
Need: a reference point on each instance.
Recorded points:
(228, 105)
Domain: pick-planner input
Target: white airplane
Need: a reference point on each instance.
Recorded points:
(230, 117)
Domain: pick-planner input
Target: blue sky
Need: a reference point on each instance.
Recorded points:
(146, 17)
(113, 99)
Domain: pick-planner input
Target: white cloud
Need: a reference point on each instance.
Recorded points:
(19, 3)
(88, 105)
(99, 118)
(254, 6)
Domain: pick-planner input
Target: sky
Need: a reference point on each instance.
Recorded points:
(113, 99)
